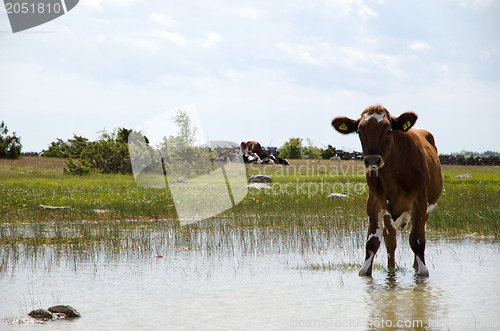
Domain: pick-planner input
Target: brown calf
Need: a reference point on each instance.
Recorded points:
(249, 147)
(404, 180)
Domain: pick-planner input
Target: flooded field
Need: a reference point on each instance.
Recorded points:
(245, 278)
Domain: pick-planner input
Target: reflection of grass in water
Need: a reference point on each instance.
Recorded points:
(349, 267)
(331, 266)
(81, 241)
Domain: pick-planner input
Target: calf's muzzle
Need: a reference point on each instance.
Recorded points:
(373, 161)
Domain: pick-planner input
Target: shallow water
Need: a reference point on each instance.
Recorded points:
(252, 278)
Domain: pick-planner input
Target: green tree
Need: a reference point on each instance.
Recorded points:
(187, 131)
(70, 148)
(310, 151)
(292, 149)
(181, 155)
(328, 153)
(109, 154)
(10, 145)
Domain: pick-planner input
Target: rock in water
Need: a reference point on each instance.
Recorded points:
(41, 314)
(66, 310)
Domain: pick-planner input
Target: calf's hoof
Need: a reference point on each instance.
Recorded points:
(422, 270)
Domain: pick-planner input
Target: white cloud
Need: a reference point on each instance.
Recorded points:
(211, 41)
(366, 60)
(162, 19)
(145, 44)
(418, 46)
(306, 52)
(487, 54)
(300, 53)
(97, 4)
(174, 38)
(348, 8)
(478, 4)
(327, 54)
(249, 12)
(93, 4)
(364, 11)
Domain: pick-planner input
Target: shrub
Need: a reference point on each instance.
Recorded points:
(328, 153)
(107, 156)
(310, 151)
(292, 149)
(176, 155)
(70, 148)
(81, 168)
(10, 146)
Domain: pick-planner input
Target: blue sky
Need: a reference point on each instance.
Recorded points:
(259, 70)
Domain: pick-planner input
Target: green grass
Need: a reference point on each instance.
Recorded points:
(105, 207)
(469, 205)
(24, 190)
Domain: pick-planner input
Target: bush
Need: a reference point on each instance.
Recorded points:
(310, 151)
(107, 156)
(176, 155)
(10, 146)
(328, 153)
(292, 149)
(70, 148)
(81, 168)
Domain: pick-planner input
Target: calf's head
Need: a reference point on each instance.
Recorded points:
(376, 128)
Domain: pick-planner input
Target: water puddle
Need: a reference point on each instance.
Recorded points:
(249, 278)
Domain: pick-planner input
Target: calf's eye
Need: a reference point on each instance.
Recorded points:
(389, 132)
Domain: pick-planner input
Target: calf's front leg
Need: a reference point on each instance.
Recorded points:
(372, 244)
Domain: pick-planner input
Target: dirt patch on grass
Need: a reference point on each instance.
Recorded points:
(34, 162)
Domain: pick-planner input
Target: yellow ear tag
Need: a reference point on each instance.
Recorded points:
(343, 127)
(406, 126)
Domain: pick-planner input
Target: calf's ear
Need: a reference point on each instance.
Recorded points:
(404, 122)
(345, 125)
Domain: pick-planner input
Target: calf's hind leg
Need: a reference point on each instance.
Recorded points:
(417, 241)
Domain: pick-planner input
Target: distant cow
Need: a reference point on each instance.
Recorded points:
(250, 147)
(404, 180)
